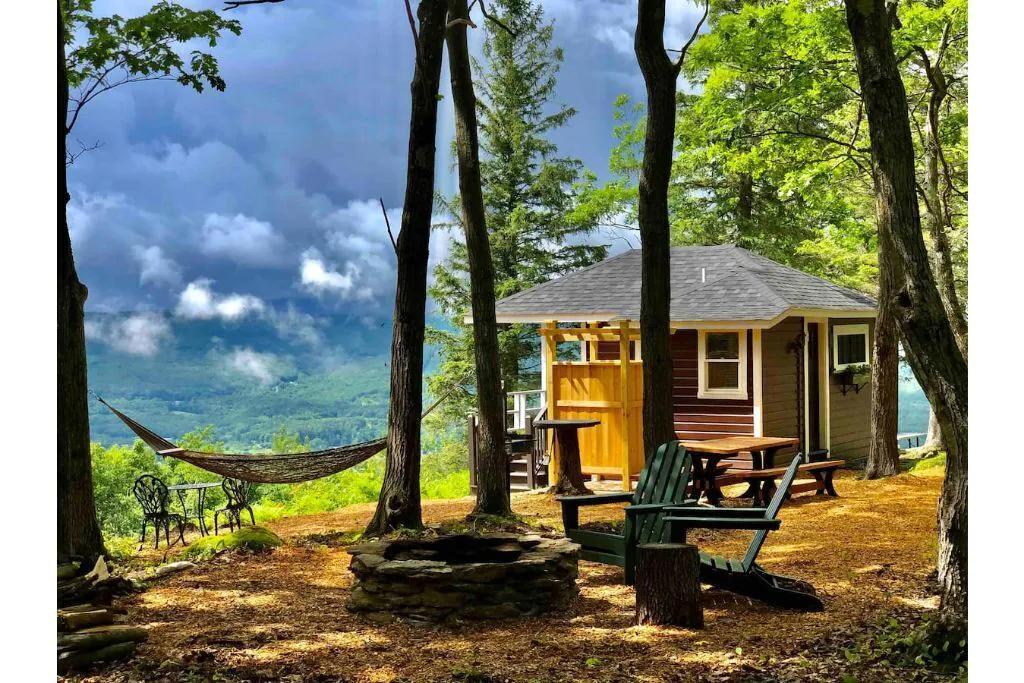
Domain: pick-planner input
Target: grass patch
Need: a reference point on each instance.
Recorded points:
(248, 538)
(929, 463)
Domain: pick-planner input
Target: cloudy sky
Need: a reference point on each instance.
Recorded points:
(225, 205)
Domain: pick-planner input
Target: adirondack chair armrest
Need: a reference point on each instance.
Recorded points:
(647, 508)
(603, 499)
(571, 506)
(716, 512)
(724, 523)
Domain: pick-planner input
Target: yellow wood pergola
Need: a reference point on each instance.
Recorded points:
(607, 390)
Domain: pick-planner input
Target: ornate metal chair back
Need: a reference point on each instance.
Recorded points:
(237, 492)
(151, 494)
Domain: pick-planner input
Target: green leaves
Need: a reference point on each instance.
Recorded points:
(106, 52)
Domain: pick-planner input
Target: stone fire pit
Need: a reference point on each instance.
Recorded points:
(462, 576)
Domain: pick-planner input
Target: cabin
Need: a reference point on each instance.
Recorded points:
(758, 349)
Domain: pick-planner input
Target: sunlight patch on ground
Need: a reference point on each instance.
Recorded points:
(281, 614)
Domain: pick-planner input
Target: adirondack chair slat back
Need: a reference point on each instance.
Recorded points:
(772, 511)
(663, 480)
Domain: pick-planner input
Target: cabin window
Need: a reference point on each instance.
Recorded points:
(850, 346)
(722, 364)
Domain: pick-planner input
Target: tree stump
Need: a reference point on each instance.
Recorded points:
(668, 585)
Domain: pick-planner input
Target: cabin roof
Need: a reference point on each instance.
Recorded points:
(709, 284)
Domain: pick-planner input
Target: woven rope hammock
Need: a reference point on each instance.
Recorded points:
(259, 468)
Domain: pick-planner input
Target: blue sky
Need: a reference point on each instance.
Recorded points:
(223, 205)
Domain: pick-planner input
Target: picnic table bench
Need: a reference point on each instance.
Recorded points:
(751, 459)
(763, 481)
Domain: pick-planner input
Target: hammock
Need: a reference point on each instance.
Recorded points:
(263, 469)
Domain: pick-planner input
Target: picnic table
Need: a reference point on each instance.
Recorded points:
(570, 471)
(709, 453)
(181, 490)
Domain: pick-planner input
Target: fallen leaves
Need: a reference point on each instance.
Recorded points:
(281, 615)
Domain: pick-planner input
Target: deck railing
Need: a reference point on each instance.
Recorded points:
(527, 406)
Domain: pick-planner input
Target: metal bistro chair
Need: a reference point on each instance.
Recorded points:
(237, 493)
(153, 497)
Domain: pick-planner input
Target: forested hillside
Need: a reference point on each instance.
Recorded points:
(245, 378)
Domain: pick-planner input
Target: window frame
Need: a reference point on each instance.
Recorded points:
(849, 330)
(741, 393)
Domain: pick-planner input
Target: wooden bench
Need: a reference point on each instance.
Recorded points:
(762, 482)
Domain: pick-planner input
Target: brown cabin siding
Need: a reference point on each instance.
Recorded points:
(697, 418)
(779, 385)
(851, 414)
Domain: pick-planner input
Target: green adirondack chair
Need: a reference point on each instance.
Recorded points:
(745, 576)
(662, 484)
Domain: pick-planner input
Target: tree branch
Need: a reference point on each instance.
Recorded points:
(492, 18)
(693, 36)
(235, 4)
(394, 244)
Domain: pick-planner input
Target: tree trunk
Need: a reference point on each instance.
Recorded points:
(937, 218)
(884, 453)
(668, 585)
(399, 502)
(660, 75)
(933, 440)
(492, 492)
(744, 207)
(921, 318)
(78, 531)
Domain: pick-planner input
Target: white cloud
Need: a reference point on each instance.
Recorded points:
(318, 278)
(243, 240)
(154, 267)
(140, 334)
(297, 326)
(199, 302)
(613, 22)
(265, 368)
(86, 209)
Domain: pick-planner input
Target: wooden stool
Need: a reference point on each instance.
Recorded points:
(668, 585)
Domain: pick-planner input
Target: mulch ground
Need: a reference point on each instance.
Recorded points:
(280, 615)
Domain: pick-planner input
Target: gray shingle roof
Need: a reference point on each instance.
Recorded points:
(736, 285)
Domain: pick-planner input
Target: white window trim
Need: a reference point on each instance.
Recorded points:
(732, 394)
(838, 330)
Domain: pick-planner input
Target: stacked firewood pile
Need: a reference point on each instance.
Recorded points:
(86, 631)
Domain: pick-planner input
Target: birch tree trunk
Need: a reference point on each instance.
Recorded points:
(492, 493)
(920, 315)
(78, 531)
(399, 501)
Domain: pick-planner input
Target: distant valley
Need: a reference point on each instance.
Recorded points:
(326, 378)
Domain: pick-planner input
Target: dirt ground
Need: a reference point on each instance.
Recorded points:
(281, 615)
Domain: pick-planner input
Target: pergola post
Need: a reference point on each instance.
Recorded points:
(626, 396)
(548, 349)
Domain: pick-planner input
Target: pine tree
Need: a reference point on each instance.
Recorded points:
(530, 195)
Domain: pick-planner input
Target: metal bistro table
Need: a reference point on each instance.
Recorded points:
(762, 450)
(200, 488)
(570, 471)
